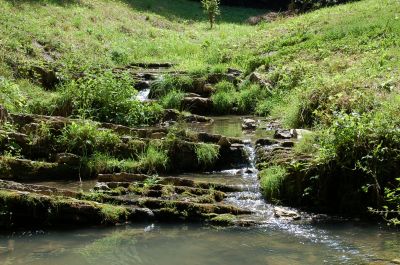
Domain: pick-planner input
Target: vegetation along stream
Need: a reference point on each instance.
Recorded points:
(199, 132)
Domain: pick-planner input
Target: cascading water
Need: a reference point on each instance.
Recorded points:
(251, 198)
(143, 95)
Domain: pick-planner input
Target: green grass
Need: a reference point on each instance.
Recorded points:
(173, 99)
(85, 138)
(270, 181)
(153, 160)
(206, 154)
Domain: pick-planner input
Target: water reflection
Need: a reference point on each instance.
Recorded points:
(192, 244)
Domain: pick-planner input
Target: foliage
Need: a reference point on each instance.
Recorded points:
(103, 97)
(391, 210)
(11, 96)
(85, 138)
(270, 181)
(211, 8)
(113, 213)
(206, 154)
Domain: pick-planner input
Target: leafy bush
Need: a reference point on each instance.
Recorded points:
(143, 113)
(223, 102)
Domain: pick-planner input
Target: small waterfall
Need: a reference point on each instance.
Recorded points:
(143, 95)
(251, 198)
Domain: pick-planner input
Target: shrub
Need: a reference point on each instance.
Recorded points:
(206, 154)
(271, 180)
(103, 97)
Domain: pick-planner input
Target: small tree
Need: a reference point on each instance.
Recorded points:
(211, 8)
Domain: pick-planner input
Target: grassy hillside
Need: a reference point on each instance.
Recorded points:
(334, 70)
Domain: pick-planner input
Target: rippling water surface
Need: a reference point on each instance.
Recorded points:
(192, 244)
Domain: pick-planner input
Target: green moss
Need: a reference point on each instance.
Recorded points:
(223, 219)
(114, 214)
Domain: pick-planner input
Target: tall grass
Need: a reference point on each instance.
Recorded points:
(271, 180)
(206, 154)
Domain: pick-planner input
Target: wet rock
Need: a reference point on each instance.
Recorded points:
(45, 190)
(249, 171)
(231, 76)
(258, 79)
(190, 95)
(27, 209)
(224, 142)
(197, 118)
(30, 128)
(126, 139)
(288, 144)
(249, 124)
(234, 72)
(299, 133)
(286, 214)
(209, 137)
(101, 186)
(265, 141)
(48, 78)
(68, 159)
(197, 105)
(175, 115)
(23, 169)
(152, 65)
(121, 177)
(157, 135)
(282, 134)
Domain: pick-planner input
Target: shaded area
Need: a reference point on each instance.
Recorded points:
(191, 10)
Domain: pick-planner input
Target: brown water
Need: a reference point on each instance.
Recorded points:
(276, 242)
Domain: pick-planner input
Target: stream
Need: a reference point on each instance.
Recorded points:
(273, 242)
